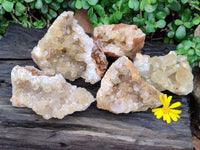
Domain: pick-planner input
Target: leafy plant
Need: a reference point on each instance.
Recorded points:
(30, 13)
(191, 49)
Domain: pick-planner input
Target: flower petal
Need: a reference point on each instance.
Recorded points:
(168, 119)
(177, 104)
(168, 100)
(177, 116)
(159, 115)
(175, 111)
(157, 112)
(161, 100)
(165, 100)
(164, 117)
(156, 109)
(174, 118)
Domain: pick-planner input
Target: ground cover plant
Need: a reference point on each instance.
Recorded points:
(171, 21)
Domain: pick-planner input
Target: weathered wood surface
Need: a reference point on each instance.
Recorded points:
(21, 128)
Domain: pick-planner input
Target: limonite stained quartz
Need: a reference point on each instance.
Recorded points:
(49, 96)
(122, 89)
(67, 49)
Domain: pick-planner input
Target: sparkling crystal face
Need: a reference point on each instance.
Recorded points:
(122, 89)
(169, 72)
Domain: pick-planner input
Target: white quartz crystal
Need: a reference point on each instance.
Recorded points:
(122, 89)
(170, 72)
(49, 96)
(67, 49)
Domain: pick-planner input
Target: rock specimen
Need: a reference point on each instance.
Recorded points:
(122, 89)
(170, 72)
(49, 96)
(119, 40)
(66, 49)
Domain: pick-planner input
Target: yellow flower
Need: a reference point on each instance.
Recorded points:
(167, 112)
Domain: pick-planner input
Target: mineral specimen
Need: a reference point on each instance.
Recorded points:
(122, 89)
(49, 96)
(170, 72)
(66, 49)
(119, 40)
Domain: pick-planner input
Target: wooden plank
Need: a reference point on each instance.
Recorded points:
(21, 128)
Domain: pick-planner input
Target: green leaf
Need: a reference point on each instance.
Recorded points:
(180, 46)
(92, 2)
(28, 1)
(48, 1)
(153, 1)
(175, 6)
(166, 40)
(93, 18)
(104, 20)
(187, 44)
(65, 4)
(55, 6)
(7, 5)
(143, 3)
(52, 13)
(178, 22)
(149, 8)
(197, 51)
(117, 16)
(131, 4)
(186, 15)
(90, 11)
(184, 1)
(2, 11)
(197, 39)
(38, 4)
(134, 4)
(20, 7)
(149, 28)
(160, 15)
(60, 1)
(196, 20)
(161, 23)
(166, 10)
(191, 52)
(85, 4)
(78, 4)
(99, 10)
(44, 9)
(187, 24)
(180, 32)
(197, 46)
(170, 34)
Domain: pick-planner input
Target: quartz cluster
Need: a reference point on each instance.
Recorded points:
(67, 49)
(123, 90)
(119, 39)
(49, 96)
(170, 72)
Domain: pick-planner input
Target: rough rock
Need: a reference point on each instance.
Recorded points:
(119, 40)
(66, 49)
(170, 72)
(49, 96)
(122, 89)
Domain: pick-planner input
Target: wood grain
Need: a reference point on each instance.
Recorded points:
(21, 128)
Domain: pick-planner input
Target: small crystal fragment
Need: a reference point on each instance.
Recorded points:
(119, 39)
(122, 89)
(49, 96)
(169, 72)
(66, 49)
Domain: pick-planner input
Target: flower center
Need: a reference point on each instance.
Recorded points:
(165, 110)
